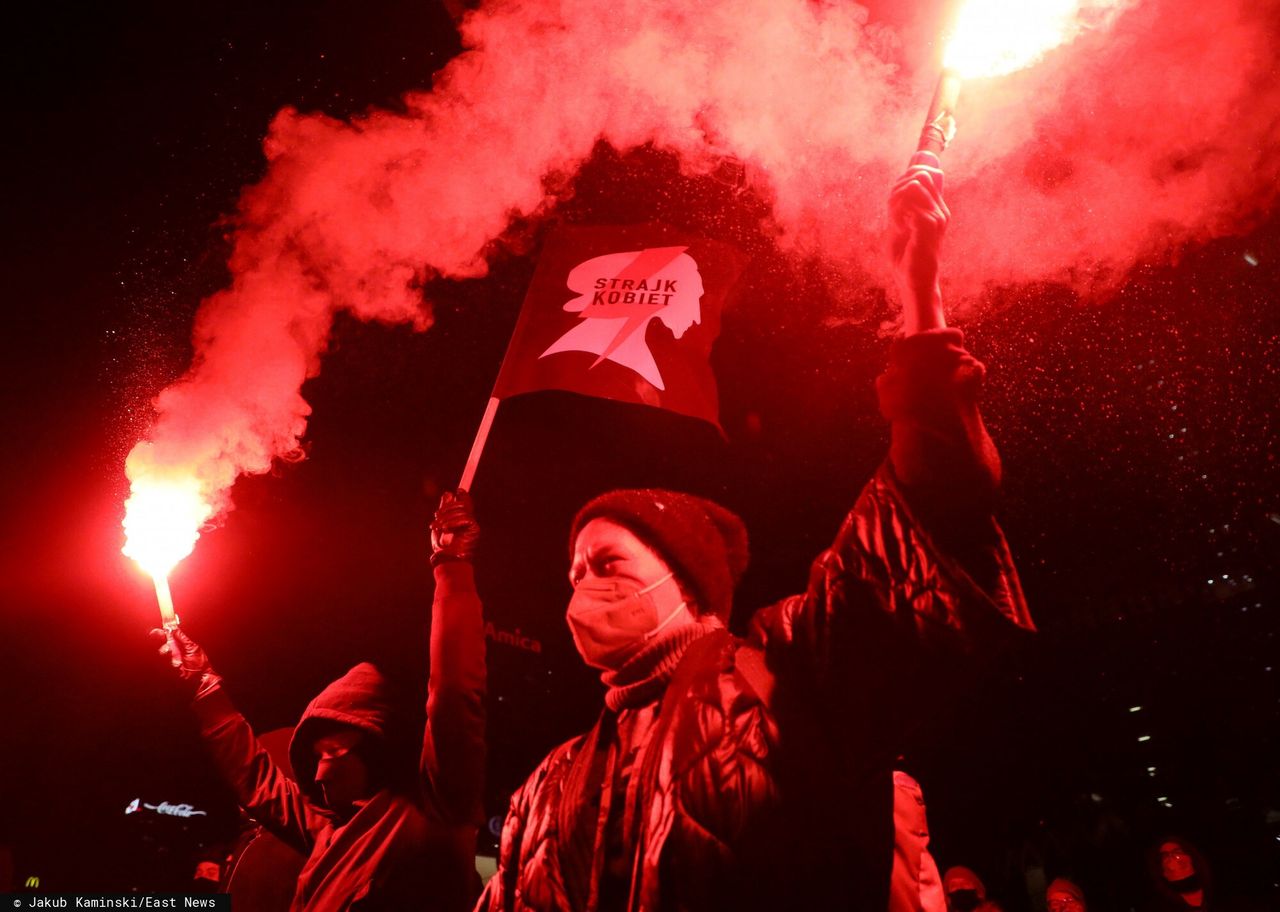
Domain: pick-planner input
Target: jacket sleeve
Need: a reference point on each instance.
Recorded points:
(919, 566)
(939, 449)
(265, 792)
(453, 749)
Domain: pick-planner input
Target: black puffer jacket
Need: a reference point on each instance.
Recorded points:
(764, 779)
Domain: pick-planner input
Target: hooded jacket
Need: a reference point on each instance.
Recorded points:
(411, 845)
(762, 776)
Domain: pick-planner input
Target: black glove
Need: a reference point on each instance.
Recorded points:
(455, 534)
(188, 660)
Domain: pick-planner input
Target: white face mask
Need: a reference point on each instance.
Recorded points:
(612, 619)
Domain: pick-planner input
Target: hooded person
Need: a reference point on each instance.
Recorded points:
(757, 773)
(384, 824)
(1182, 880)
(965, 891)
(1179, 875)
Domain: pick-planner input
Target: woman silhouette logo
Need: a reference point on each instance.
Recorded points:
(619, 293)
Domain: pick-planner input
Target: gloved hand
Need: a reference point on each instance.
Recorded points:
(455, 534)
(189, 661)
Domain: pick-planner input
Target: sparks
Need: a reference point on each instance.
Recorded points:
(996, 37)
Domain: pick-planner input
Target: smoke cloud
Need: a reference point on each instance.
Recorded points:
(1127, 144)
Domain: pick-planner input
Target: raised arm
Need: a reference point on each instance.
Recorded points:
(939, 450)
(265, 792)
(920, 560)
(453, 750)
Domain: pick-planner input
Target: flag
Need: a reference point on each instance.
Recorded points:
(626, 313)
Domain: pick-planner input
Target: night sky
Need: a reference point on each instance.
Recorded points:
(1138, 431)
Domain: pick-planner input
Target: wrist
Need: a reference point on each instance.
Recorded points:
(209, 683)
(922, 309)
(444, 558)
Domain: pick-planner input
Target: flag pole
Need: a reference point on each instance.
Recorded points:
(477, 445)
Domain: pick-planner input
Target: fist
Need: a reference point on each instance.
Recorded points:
(455, 534)
(918, 218)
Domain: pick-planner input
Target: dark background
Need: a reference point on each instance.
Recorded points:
(1138, 434)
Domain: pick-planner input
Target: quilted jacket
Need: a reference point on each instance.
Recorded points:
(765, 780)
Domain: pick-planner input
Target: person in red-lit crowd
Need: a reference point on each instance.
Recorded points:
(207, 877)
(1183, 878)
(757, 773)
(384, 826)
(1181, 881)
(1064, 895)
(1180, 876)
(965, 891)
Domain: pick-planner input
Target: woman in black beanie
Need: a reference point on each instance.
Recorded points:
(758, 774)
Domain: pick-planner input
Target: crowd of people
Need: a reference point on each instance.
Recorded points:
(1178, 881)
(723, 772)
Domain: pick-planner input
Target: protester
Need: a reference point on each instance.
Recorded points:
(1180, 877)
(1181, 880)
(208, 874)
(379, 834)
(758, 774)
(966, 892)
(1064, 895)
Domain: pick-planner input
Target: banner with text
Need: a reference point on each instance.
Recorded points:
(626, 313)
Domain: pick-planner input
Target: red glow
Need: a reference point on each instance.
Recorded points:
(1128, 143)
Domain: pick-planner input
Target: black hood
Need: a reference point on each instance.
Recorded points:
(362, 699)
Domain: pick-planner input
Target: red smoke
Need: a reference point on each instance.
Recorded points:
(1121, 146)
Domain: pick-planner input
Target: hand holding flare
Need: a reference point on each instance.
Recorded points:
(918, 217)
(189, 661)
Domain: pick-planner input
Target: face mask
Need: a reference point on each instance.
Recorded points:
(342, 779)
(1187, 884)
(611, 619)
(963, 900)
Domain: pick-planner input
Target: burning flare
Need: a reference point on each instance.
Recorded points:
(162, 521)
(995, 37)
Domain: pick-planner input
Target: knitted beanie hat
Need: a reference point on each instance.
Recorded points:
(703, 543)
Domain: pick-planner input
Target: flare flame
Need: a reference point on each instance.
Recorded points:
(162, 521)
(996, 37)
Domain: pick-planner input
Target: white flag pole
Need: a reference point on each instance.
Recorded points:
(477, 445)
